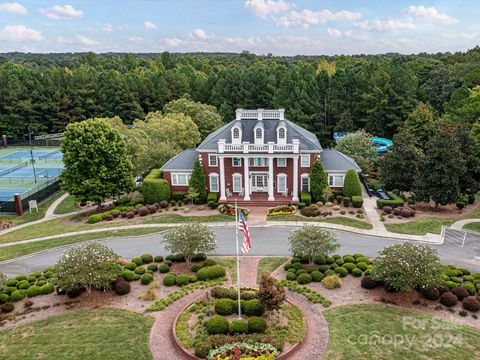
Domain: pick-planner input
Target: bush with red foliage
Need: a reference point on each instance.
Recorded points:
(448, 299)
(460, 292)
(471, 303)
(270, 293)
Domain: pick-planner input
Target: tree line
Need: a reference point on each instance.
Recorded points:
(322, 94)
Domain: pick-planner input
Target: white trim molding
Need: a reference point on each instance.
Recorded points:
(303, 156)
(238, 177)
(174, 178)
(302, 178)
(210, 157)
(217, 182)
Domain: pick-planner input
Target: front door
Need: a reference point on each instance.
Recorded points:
(259, 182)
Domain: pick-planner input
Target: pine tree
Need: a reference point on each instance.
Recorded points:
(351, 184)
(318, 181)
(197, 182)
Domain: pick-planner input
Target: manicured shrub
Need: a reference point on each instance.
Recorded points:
(368, 282)
(351, 184)
(349, 267)
(362, 266)
(357, 201)
(11, 282)
(130, 214)
(217, 325)
(130, 266)
(137, 260)
(291, 276)
(95, 218)
(154, 188)
(121, 287)
(257, 324)
(210, 273)
(128, 275)
(304, 278)
(182, 280)
(323, 268)
(306, 198)
(471, 303)
(23, 285)
(143, 211)
(196, 267)
(329, 272)
(32, 291)
(146, 279)
(460, 292)
(320, 260)
(387, 209)
(152, 267)
(301, 271)
(334, 266)
(20, 277)
(4, 298)
(349, 259)
(238, 327)
(164, 268)
(147, 258)
(7, 307)
(470, 288)
(297, 266)
(9, 289)
(357, 272)
(169, 280)
(340, 262)
(317, 276)
(254, 307)
(346, 201)
(448, 299)
(158, 259)
(18, 295)
(225, 306)
(341, 271)
(140, 270)
(332, 281)
(209, 262)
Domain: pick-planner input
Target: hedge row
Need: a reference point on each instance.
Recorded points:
(154, 188)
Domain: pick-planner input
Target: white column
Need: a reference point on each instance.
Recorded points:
(222, 179)
(295, 179)
(270, 179)
(246, 178)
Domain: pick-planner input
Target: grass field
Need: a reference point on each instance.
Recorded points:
(68, 205)
(473, 226)
(377, 332)
(176, 218)
(10, 252)
(269, 264)
(101, 334)
(359, 224)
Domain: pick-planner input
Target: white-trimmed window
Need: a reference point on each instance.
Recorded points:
(281, 183)
(237, 183)
(212, 160)
(236, 162)
(258, 161)
(258, 132)
(305, 161)
(236, 133)
(180, 179)
(281, 162)
(305, 183)
(213, 180)
(281, 133)
(335, 180)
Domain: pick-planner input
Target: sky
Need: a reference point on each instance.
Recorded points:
(279, 27)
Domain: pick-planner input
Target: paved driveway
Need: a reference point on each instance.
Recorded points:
(265, 241)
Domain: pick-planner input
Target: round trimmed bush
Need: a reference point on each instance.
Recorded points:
(4, 298)
(349, 259)
(362, 260)
(304, 279)
(9, 289)
(47, 289)
(238, 327)
(340, 262)
(448, 299)
(20, 277)
(301, 271)
(137, 261)
(225, 306)
(32, 291)
(430, 293)
(152, 209)
(460, 292)
(291, 276)
(140, 270)
(121, 287)
(18, 295)
(23, 285)
(158, 258)
(287, 266)
(169, 262)
(143, 211)
(152, 267)
(169, 280)
(182, 280)
(11, 282)
(470, 288)
(368, 282)
(297, 266)
(136, 277)
(130, 266)
(41, 282)
(192, 279)
(7, 307)
(179, 258)
(147, 258)
(329, 272)
(209, 262)
(210, 273)
(341, 271)
(323, 268)
(164, 268)
(128, 275)
(362, 266)
(199, 257)
(471, 303)
(254, 307)
(317, 276)
(146, 279)
(320, 260)
(357, 272)
(196, 267)
(170, 257)
(334, 266)
(217, 325)
(349, 267)
(257, 324)
(368, 272)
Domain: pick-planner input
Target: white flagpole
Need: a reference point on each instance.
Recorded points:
(238, 260)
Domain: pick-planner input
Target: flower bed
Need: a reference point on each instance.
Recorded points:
(281, 210)
(230, 210)
(248, 349)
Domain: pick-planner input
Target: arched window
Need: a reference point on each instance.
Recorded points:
(236, 133)
(281, 133)
(258, 133)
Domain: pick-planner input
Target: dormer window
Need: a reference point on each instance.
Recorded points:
(281, 133)
(236, 134)
(258, 133)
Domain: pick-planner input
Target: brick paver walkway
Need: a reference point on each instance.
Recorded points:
(248, 270)
(257, 216)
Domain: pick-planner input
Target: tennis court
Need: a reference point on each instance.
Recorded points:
(41, 172)
(24, 155)
(7, 194)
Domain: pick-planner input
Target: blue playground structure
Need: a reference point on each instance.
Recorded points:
(382, 144)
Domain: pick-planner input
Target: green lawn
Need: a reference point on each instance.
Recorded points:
(269, 264)
(14, 251)
(359, 224)
(88, 334)
(229, 263)
(372, 331)
(68, 205)
(176, 218)
(473, 226)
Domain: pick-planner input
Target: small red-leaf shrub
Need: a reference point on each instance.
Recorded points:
(368, 282)
(448, 299)
(471, 303)
(460, 292)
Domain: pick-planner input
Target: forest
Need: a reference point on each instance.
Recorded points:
(323, 94)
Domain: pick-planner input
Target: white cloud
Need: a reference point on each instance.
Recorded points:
(111, 27)
(172, 42)
(262, 8)
(136, 38)
(305, 18)
(85, 41)
(393, 25)
(429, 15)
(15, 8)
(59, 12)
(334, 33)
(200, 34)
(20, 33)
(149, 25)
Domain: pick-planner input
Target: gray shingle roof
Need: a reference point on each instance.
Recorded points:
(308, 140)
(334, 160)
(181, 161)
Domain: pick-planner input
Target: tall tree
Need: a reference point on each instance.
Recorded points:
(197, 182)
(421, 123)
(318, 181)
(359, 146)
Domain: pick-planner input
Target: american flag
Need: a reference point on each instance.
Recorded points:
(244, 228)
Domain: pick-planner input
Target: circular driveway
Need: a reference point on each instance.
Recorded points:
(266, 241)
